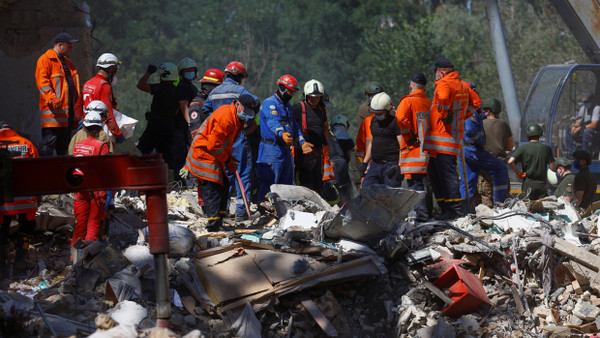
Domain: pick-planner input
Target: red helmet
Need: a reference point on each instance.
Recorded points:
(289, 82)
(236, 68)
(213, 76)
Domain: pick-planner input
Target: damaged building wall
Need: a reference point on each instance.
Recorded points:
(27, 28)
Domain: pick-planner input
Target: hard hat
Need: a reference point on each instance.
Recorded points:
(373, 88)
(236, 68)
(582, 155)
(289, 82)
(563, 162)
(534, 130)
(108, 60)
(340, 119)
(186, 63)
(381, 101)
(493, 104)
(93, 114)
(168, 71)
(213, 76)
(314, 88)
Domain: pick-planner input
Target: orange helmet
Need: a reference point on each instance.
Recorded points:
(213, 76)
(289, 82)
(236, 68)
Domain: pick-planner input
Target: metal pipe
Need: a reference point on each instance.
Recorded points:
(507, 82)
(161, 284)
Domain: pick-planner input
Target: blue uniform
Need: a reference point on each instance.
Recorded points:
(275, 163)
(477, 159)
(224, 94)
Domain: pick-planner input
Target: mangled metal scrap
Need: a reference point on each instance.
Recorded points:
(373, 214)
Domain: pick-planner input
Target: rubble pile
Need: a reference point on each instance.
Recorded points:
(304, 269)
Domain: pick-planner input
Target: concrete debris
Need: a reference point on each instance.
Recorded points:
(304, 268)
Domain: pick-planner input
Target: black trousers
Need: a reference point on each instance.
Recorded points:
(445, 184)
(215, 198)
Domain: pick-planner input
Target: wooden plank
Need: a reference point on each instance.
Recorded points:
(577, 254)
(217, 250)
(517, 298)
(436, 291)
(320, 318)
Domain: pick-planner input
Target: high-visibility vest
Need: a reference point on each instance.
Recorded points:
(455, 97)
(413, 119)
(364, 133)
(51, 82)
(19, 147)
(211, 148)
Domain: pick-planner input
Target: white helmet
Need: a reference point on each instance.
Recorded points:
(381, 101)
(168, 72)
(108, 60)
(314, 88)
(186, 63)
(93, 114)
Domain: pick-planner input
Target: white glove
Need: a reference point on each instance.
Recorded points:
(184, 172)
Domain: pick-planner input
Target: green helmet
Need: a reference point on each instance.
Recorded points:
(534, 130)
(373, 88)
(340, 119)
(168, 71)
(493, 104)
(563, 162)
(186, 63)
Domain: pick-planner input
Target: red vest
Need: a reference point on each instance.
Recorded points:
(89, 147)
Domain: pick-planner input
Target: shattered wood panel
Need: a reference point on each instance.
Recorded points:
(278, 266)
(232, 279)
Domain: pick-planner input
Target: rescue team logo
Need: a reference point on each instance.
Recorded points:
(194, 115)
(83, 150)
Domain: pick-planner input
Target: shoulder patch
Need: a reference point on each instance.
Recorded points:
(274, 112)
(271, 107)
(194, 115)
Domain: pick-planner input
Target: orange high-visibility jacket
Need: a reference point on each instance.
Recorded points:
(51, 82)
(19, 147)
(212, 146)
(455, 97)
(364, 133)
(413, 118)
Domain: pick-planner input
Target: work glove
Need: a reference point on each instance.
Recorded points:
(363, 169)
(392, 171)
(151, 69)
(307, 148)
(449, 117)
(120, 139)
(231, 166)
(54, 104)
(522, 175)
(183, 173)
(287, 138)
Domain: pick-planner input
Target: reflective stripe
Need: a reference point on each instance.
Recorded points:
(54, 119)
(440, 139)
(454, 200)
(223, 147)
(413, 159)
(414, 169)
(442, 148)
(224, 96)
(471, 109)
(44, 88)
(442, 106)
(327, 166)
(57, 86)
(239, 201)
(440, 199)
(501, 187)
(214, 218)
(201, 173)
(210, 78)
(278, 129)
(11, 207)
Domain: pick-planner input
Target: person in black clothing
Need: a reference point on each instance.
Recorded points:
(158, 134)
(211, 79)
(340, 147)
(383, 145)
(311, 116)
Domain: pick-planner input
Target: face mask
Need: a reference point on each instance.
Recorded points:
(114, 80)
(285, 96)
(380, 117)
(189, 75)
(244, 117)
(576, 164)
(586, 105)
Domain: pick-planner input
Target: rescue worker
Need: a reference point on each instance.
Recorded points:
(413, 119)
(211, 79)
(364, 111)
(565, 186)
(381, 164)
(99, 88)
(185, 92)
(311, 115)
(158, 134)
(229, 90)
(89, 206)
(584, 184)
(341, 146)
(586, 128)
(534, 158)
(498, 140)
(211, 154)
(24, 208)
(478, 159)
(371, 89)
(279, 131)
(58, 83)
(83, 133)
(453, 102)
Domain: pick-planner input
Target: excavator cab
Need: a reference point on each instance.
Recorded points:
(554, 101)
